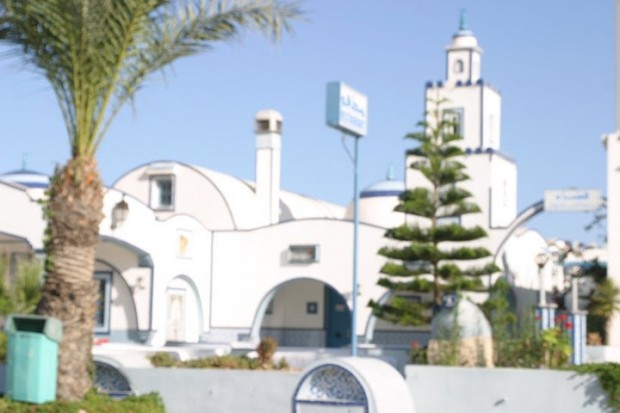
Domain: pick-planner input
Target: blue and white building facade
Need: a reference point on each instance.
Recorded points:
(202, 256)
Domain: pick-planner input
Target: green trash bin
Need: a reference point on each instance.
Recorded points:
(32, 357)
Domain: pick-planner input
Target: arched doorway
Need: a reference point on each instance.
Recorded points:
(183, 311)
(304, 313)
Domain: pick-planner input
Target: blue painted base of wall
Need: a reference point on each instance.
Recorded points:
(293, 337)
(401, 338)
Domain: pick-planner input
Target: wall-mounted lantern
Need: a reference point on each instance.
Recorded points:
(119, 213)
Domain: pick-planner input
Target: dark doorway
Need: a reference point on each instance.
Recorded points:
(337, 319)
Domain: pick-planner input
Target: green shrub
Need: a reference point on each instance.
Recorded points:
(93, 403)
(609, 376)
(266, 349)
(163, 359)
(22, 294)
(283, 364)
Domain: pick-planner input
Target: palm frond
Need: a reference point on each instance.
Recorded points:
(96, 54)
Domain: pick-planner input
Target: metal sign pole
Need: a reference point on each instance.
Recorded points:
(356, 224)
(347, 111)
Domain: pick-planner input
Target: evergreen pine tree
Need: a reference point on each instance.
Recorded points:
(427, 254)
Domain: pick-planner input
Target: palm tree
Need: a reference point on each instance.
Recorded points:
(96, 54)
(604, 303)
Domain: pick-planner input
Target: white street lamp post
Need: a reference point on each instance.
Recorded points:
(545, 313)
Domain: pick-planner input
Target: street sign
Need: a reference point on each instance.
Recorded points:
(573, 200)
(347, 109)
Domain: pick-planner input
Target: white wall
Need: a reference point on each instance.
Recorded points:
(433, 388)
(503, 191)
(248, 265)
(613, 222)
(194, 195)
(179, 246)
(473, 390)
(21, 216)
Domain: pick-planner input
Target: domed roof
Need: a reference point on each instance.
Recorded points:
(383, 188)
(387, 187)
(378, 201)
(464, 39)
(27, 178)
(468, 319)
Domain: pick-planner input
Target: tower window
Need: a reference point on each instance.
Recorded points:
(455, 117)
(459, 66)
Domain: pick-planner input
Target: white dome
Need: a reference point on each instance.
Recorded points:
(464, 39)
(377, 203)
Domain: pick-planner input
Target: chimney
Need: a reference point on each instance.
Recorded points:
(268, 129)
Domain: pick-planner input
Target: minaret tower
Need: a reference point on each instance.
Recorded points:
(475, 106)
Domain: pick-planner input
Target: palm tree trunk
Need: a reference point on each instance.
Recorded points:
(70, 293)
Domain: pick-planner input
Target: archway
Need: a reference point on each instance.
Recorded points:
(184, 319)
(304, 312)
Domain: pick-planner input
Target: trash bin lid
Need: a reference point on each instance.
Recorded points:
(49, 326)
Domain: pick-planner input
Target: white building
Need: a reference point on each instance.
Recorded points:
(205, 256)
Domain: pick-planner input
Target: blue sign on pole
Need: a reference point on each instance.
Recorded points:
(347, 109)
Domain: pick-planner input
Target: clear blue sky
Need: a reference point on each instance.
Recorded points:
(551, 59)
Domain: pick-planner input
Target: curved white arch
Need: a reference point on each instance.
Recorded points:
(264, 303)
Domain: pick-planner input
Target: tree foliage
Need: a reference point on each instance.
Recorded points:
(96, 55)
(433, 254)
(605, 303)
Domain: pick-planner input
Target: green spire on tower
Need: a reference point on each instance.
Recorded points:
(463, 20)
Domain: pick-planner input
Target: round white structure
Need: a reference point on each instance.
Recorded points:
(352, 384)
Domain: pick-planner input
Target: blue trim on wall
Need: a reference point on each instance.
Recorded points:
(32, 184)
(372, 194)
